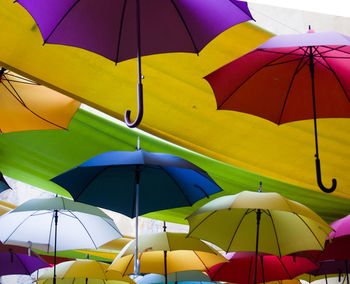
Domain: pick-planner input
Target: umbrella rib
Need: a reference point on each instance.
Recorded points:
(25, 219)
(178, 185)
(24, 266)
(131, 258)
(52, 219)
(284, 62)
(13, 92)
(61, 20)
(20, 100)
(322, 247)
(255, 72)
(206, 268)
(202, 221)
(90, 182)
(217, 272)
(26, 80)
(297, 70)
(237, 227)
(275, 232)
(336, 76)
(285, 268)
(120, 31)
(84, 228)
(186, 27)
(21, 82)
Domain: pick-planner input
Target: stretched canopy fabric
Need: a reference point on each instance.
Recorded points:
(180, 108)
(35, 157)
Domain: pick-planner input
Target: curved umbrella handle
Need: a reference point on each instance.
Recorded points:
(139, 109)
(319, 180)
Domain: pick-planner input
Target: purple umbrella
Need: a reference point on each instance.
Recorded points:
(15, 260)
(333, 267)
(121, 29)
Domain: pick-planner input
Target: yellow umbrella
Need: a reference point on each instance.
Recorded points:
(179, 260)
(25, 105)
(80, 270)
(166, 241)
(282, 226)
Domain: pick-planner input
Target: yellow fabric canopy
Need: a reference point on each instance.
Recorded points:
(179, 105)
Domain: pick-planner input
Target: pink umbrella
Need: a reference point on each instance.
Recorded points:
(240, 269)
(289, 78)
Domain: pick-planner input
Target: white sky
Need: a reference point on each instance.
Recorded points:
(334, 7)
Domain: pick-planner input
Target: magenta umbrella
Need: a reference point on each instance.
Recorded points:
(125, 29)
(289, 78)
(240, 269)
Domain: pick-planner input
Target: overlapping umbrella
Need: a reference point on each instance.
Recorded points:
(135, 28)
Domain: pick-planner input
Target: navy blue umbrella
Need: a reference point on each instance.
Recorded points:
(138, 182)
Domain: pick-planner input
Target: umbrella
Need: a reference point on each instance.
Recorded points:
(177, 277)
(72, 271)
(282, 226)
(25, 105)
(3, 183)
(54, 224)
(178, 260)
(329, 267)
(135, 28)
(289, 78)
(138, 182)
(240, 269)
(15, 260)
(166, 243)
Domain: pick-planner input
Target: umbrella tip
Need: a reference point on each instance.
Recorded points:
(310, 30)
(260, 185)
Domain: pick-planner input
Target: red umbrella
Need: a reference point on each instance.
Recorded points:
(240, 269)
(289, 78)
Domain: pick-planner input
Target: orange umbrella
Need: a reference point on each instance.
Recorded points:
(26, 105)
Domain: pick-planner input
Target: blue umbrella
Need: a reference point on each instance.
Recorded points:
(3, 183)
(138, 182)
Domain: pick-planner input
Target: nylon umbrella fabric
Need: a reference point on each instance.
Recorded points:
(240, 269)
(304, 76)
(3, 183)
(285, 227)
(26, 105)
(79, 225)
(179, 260)
(80, 270)
(15, 260)
(133, 28)
(165, 181)
(193, 276)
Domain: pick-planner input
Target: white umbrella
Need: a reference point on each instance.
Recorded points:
(54, 224)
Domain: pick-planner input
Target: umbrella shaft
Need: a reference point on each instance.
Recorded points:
(55, 246)
(258, 217)
(136, 260)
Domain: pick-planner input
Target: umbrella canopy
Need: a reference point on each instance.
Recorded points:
(240, 269)
(84, 269)
(328, 267)
(286, 226)
(166, 241)
(15, 260)
(164, 180)
(78, 225)
(26, 105)
(135, 28)
(289, 78)
(3, 183)
(179, 260)
(177, 277)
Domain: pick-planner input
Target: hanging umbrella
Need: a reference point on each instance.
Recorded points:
(15, 260)
(3, 183)
(136, 183)
(135, 28)
(25, 105)
(289, 78)
(166, 243)
(54, 224)
(177, 277)
(80, 270)
(179, 260)
(282, 226)
(240, 269)
(331, 267)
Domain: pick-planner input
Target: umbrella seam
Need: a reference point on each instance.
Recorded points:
(190, 232)
(285, 268)
(28, 272)
(206, 268)
(120, 32)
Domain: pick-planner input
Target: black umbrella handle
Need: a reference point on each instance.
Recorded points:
(319, 179)
(139, 109)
